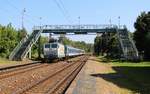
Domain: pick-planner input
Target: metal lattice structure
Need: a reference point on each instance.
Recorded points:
(22, 49)
(129, 50)
(76, 29)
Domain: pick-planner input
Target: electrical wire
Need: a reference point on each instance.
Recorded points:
(62, 10)
(65, 10)
(32, 19)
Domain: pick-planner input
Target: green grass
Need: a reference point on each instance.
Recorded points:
(130, 75)
(131, 64)
(137, 76)
(6, 61)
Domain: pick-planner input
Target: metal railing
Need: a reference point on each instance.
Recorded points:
(82, 26)
(11, 56)
(121, 43)
(128, 47)
(134, 47)
(33, 40)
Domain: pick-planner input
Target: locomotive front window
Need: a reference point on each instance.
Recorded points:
(47, 46)
(54, 45)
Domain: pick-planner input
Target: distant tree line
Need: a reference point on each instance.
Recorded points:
(78, 44)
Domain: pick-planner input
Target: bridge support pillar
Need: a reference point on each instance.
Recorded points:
(51, 39)
(39, 47)
(105, 42)
(61, 38)
(30, 53)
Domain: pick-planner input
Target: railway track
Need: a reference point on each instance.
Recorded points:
(55, 83)
(19, 69)
(33, 78)
(62, 85)
(17, 66)
(10, 84)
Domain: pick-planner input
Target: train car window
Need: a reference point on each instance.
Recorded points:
(47, 46)
(54, 45)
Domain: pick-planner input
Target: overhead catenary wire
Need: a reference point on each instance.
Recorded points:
(29, 17)
(65, 10)
(36, 20)
(8, 2)
(5, 11)
(60, 6)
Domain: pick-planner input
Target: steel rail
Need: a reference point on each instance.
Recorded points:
(71, 75)
(20, 70)
(29, 86)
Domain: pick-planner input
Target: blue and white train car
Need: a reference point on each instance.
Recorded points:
(71, 51)
(57, 51)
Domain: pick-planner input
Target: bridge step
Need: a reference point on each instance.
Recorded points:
(23, 47)
(127, 45)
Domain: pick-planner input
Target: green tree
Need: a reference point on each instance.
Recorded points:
(8, 40)
(35, 47)
(113, 47)
(97, 45)
(22, 33)
(77, 44)
(142, 33)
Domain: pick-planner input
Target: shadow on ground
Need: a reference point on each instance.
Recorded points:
(136, 79)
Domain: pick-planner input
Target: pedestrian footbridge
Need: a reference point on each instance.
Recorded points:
(128, 48)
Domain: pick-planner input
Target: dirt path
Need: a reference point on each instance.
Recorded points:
(90, 80)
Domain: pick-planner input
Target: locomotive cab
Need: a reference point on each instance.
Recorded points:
(53, 50)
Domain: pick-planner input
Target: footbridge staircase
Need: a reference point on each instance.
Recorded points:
(22, 49)
(129, 50)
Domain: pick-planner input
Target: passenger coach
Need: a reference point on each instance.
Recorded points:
(57, 51)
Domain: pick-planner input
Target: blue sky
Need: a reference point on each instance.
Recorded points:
(90, 12)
